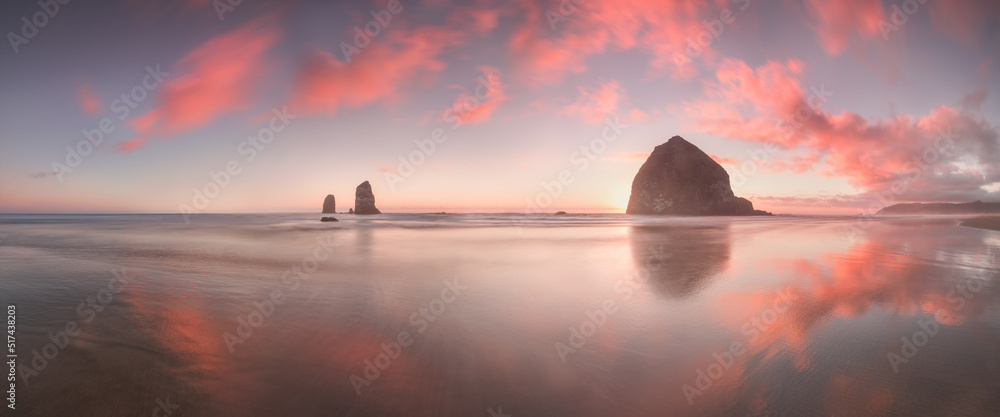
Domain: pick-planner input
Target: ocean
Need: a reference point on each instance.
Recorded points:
(500, 315)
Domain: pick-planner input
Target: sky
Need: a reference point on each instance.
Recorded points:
(193, 106)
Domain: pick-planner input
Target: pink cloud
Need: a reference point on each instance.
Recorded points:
(376, 73)
(799, 163)
(838, 21)
(552, 42)
(638, 116)
(724, 161)
(88, 100)
(946, 154)
(630, 156)
(479, 106)
(595, 104)
(609, 98)
(214, 79)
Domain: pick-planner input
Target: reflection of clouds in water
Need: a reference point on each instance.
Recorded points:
(681, 259)
(850, 309)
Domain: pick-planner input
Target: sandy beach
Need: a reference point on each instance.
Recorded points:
(986, 222)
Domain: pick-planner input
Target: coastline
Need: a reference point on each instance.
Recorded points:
(985, 222)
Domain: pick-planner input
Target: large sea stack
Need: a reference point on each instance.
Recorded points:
(330, 204)
(680, 179)
(364, 200)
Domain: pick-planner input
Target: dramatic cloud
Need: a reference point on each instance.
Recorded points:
(556, 38)
(214, 79)
(944, 155)
(838, 21)
(376, 73)
(88, 100)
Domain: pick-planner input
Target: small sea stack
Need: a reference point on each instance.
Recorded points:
(330, 204)
(364, 200)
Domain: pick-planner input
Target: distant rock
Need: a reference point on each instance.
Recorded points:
(680, 179)
(975, 207)
(364, 200)
(560, 213)
(330, 204)
(329, 219)
(350, 211)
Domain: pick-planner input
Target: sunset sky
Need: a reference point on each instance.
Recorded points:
(837, 100)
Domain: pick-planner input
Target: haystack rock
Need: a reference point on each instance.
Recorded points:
(330, 204)
(364, 200)
(680, 179)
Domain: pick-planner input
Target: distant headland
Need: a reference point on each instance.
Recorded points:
(975, 207)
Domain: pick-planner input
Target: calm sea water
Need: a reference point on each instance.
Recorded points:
(482, 315)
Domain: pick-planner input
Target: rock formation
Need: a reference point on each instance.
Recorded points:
(330, 204)
(680, 179)
(329, 219)
(364, 200)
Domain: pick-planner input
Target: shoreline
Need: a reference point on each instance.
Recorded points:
(985, 223)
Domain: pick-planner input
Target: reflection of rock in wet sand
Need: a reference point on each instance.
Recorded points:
(681, 259)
